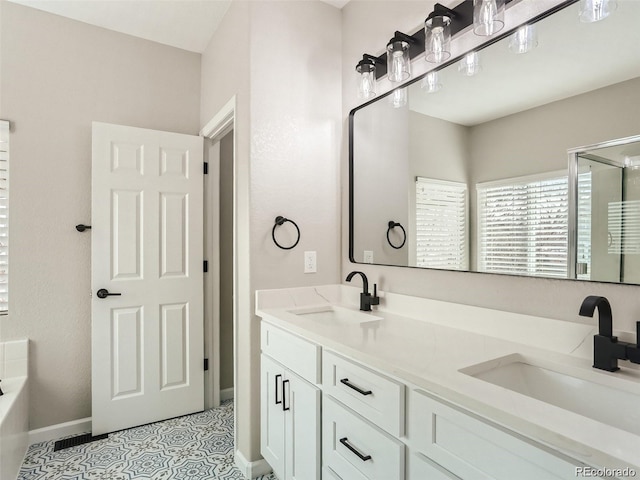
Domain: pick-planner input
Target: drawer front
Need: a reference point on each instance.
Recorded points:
(421, 468)
(295, 353)
(377, 398)
(473, 449)
(355, 449)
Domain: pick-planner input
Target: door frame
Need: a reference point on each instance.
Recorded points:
(216, 128)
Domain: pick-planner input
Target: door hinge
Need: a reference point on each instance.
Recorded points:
(206, 364)
(205, 266)
(206, 168)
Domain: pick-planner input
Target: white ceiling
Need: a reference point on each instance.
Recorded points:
(186, 24)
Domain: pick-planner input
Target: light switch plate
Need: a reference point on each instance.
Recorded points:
(310, 263)
(368, 256)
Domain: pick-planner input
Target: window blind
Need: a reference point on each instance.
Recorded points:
(584, 227)
(4, 216)
(624, 227)
(523, 226)
(441, 224)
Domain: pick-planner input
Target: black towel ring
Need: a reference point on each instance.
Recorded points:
(279, 221)
(393, 224)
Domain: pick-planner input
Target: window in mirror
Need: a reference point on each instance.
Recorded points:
(523, 225)
(583, 264)
(441, 224)
(4, 217)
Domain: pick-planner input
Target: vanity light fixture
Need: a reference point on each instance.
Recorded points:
(437, 34)
(431, 82)
(488, 16)
(524, 39)
(398, 60)
(367, 79)
(398, 98)
(470, 64)
(434, 41)
(596, 10)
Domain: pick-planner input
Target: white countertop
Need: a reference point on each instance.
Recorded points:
(426, 342)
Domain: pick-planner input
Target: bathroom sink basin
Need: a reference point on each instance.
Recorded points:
(609, 400)
(333, 313)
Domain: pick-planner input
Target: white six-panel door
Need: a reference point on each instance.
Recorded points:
(147, 245)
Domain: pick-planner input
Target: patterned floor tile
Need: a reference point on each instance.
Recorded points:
(194, 447)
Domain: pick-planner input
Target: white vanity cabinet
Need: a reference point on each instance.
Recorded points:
(290, 406)
(470, 448)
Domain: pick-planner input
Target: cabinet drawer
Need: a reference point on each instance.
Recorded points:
(474, 449)
(355, 449)
(421, 468)
(297, 354)
(377, 398)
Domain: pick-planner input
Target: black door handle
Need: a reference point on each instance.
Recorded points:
(284, 396)
(278, 401)
(104, 293)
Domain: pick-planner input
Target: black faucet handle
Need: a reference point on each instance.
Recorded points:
(375, 299)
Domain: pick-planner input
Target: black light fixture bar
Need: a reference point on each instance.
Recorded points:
(461, 18)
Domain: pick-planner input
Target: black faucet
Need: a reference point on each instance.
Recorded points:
(607, 350)
(366, 299)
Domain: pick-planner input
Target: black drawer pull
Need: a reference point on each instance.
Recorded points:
(362, 457)
(345, 381)
(278, 401)
(284, 407)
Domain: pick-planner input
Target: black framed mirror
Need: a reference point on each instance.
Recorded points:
(474, 168)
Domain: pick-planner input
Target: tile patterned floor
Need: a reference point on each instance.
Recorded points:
(195, 447)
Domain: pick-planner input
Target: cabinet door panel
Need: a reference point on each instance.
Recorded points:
(272, 419)
(302, 422)
(472, 448)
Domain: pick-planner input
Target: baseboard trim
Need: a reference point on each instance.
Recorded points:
(56, 432)
(226, 394)
(251, 469)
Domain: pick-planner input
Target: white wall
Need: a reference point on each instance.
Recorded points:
(380, 188)
(58, 76)
(366, 27)
(285, 74)
(225, 73)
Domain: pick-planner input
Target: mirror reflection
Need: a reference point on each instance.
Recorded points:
(466, 168)
(608, 212)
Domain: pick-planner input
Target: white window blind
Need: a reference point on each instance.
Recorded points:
(584, 227)
(523, 226)
(624, 227)
(441, 224)
(4, 216)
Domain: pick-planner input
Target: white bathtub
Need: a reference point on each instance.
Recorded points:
(14, 406)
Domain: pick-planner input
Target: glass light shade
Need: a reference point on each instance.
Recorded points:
(470, 64)
(488, 16)
(366, 80)
(437, 34)
(596, 10)
(431, 82)
(398, 98)
(524, 39)
(398, 61)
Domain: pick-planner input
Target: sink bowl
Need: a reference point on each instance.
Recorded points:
(336, 314)
(609, 400)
